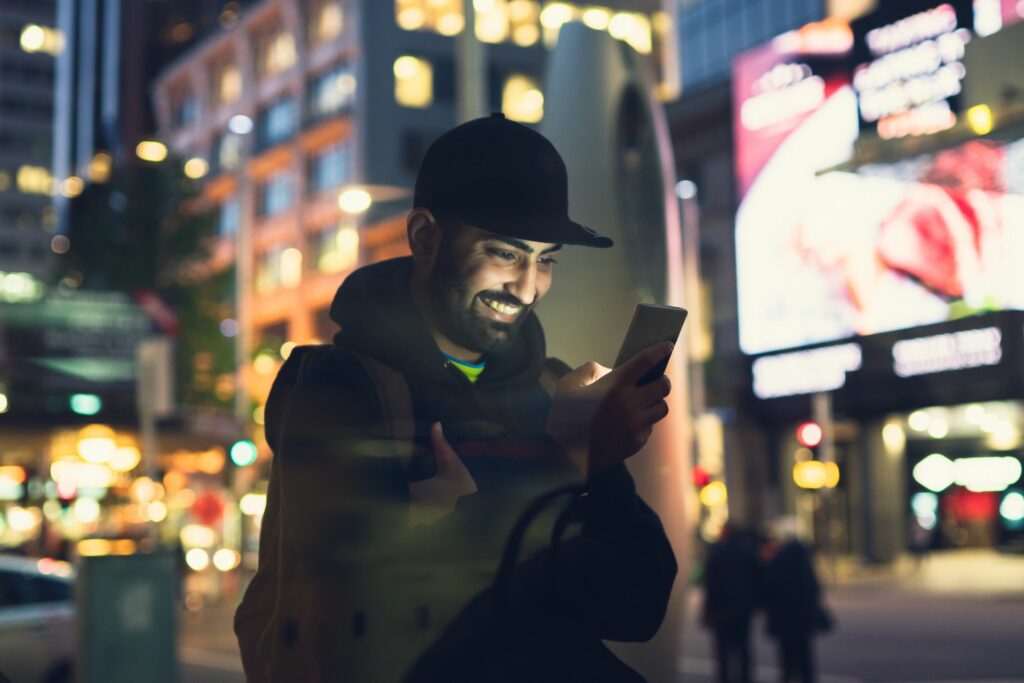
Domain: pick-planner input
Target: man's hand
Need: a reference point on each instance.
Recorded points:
(434, 498)
(600, 417)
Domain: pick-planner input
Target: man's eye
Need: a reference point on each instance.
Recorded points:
(547, 261)
(503, 255)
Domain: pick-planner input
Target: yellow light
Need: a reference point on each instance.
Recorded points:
(23, 519)
(77, 474)
(451, 24)
(521, 100)
(331, 21)
(714, 494)
(918, 420)
(225, 559)
(355, 201)
(99, 167)
(212, 461)
(597, 18)
(259, 415)
(525, 35)
(151, 150)
(483, 6)
(253, 504)
(143, 489)
(124, 459)
(810, 474)
(406, 67)
(197, 559)
(264, 364)
(94, 547)
(156, 511)
(197, 536)
(938, 428)
(4, 403)
(979, 118)
(32, 38)
(13, 474)
(72, 186)
(414, 82)
(86, 510)
(183, 499)
(555, 14)
(831, 475)
(196, 168)
(633, 28)
(175, 481)
(412, 19)
(291, 270)
(35, 180)
(287, 348)
(522, 10)
(96, 449)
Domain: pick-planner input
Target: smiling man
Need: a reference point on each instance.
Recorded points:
(381, 553)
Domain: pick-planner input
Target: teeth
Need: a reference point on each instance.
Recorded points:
(502, 308)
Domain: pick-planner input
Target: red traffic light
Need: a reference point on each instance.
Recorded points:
(809, 434)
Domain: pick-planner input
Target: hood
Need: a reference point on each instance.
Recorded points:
(377, 316)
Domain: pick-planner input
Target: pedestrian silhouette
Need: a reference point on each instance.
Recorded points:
(732, 594)
(794, 609)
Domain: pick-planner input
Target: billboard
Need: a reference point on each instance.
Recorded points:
(823, 256)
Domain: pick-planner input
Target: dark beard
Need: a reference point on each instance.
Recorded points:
(456, 316)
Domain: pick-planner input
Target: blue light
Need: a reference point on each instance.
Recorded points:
(243, 453)
(85, 404)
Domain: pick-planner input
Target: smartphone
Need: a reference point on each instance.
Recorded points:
(651, 324)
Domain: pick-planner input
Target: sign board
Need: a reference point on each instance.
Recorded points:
(127, 618)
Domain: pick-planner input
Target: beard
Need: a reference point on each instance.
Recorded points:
(456, 314)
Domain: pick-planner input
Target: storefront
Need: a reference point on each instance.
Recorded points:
(879, 242)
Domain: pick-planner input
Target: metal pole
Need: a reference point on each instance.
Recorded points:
(470, 69)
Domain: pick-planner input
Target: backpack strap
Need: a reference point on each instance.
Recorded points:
(395, 402)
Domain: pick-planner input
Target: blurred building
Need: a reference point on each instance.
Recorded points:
(309, 119)
(26, 114)
(875, 162)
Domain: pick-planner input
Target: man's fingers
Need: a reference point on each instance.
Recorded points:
(630, 372)
(656, 413)
(650, 394)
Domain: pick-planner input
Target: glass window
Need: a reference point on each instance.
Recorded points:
(332, 92)
(268, 271)
(42, 589)
(440, 16)
(229, 214)
(227, 152)
(522, 99)
(414, 82)
(338, 249)
(186, 112)
(229, 85)
(278, 122)
(331, 168)
(277, 194)
(11, 593)
(326, 21)
(278, 53)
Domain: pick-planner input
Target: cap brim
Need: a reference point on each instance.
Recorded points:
(557, 231)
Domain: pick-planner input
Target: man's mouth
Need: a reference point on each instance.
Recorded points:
(506, 311)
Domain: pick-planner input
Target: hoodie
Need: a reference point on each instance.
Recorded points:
(359, 595)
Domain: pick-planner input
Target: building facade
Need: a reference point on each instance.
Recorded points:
(27, 67)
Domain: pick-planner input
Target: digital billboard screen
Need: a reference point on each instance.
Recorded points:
(823, 256)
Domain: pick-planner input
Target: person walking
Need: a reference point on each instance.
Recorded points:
(406, 452)
(732, 595)
(794, 609)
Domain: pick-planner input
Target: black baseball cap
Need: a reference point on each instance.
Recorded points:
(504, 177)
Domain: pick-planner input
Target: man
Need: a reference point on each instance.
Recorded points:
(379, 554)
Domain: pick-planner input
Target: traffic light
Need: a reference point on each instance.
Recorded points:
(809, 434)
(243, 453)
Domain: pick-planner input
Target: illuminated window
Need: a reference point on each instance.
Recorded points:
(440, 16)
(524, 18)
(278, 53)
(414, 82)
(291, 267)
(331, 168)
(491, 20)
(229, 85)
(522, 99)
(327, 20)
(278, 122)
(338, 249)
(227, 152)
(277, 194)
(632, 27)
(332, 92)
(229, 215)
(268, 271)
(553, 16)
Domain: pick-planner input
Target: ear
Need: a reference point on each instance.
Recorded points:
(424, 235)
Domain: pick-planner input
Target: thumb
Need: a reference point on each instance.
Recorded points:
(584, 375)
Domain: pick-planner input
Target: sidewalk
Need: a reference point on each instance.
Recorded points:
(974, 571)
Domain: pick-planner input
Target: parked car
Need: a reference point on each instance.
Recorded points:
(37, 620)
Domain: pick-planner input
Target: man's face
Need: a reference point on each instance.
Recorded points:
(483, 286)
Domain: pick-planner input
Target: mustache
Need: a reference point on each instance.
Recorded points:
(505, 298)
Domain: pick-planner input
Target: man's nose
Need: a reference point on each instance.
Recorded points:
(524, 286)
